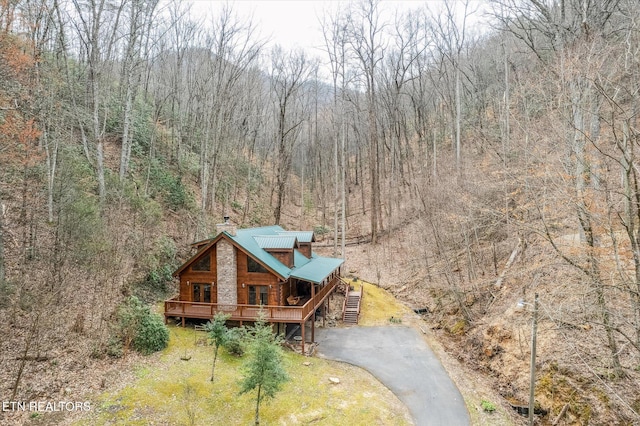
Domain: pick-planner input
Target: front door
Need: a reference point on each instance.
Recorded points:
(258, 295)
(201, 292)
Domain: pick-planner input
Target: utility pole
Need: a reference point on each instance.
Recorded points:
(532, 379)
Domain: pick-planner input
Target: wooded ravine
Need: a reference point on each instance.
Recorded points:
(463, 167)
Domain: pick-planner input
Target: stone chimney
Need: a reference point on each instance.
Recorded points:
(227, 226)
(227, 269)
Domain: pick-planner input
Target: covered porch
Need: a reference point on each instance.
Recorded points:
(243, 312)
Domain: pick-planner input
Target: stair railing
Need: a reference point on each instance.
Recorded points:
(360, 300)
(344, 303)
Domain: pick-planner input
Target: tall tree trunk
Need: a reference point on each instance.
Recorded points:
(33, 330)
(373, 170)
(257, 422)
(204, 169)
(2, 267)
(632, 218)
(507, 130)
(102, 189)
(215, 358)
(458, 119)
(336, 177)
(281, 174)
(343, 201)
(434, 168)
(51, 151)
(140, 18)
(290, 73)
(581, 95)
(632, 198)
(125, 152)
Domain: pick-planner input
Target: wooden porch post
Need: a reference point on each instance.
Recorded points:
(324, 313)
(303, 327)
(313, 326)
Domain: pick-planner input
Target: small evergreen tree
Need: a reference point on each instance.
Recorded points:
(235, 343)
(218, 334)
(263, 369)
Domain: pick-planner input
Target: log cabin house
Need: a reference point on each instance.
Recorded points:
(240, 271)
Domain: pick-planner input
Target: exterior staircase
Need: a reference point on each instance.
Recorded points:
(351, 308)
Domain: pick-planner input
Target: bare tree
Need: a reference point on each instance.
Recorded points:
(450, 33)
(336, 47)
(397, 69)
(140, 15)
(234, 51)
(617, 83)
(423, 95)
(365, 36)
(96, 23)
(555, 27)
(289, 76)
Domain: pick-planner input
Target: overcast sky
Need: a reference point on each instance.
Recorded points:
(293, 23)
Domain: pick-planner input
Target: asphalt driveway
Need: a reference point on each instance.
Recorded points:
(402, 361)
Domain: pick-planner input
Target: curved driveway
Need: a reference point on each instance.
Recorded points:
(402, 361)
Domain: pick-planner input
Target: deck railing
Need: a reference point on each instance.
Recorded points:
(184, 309)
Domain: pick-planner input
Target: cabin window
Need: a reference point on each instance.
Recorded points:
(201, 292)
(258, 295)
(253, 266)
(203, 264)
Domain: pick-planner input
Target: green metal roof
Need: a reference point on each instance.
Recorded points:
(302, 236)
(317, 269)
(276, 241)
(245, 239)
(314, 270)
(254, 241)
(299, 259)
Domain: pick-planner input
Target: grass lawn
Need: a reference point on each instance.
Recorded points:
(378, 306)
(170, 391)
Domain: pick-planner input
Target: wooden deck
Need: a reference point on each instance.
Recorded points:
(182, 309)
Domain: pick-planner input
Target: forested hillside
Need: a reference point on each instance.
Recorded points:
(463, 158)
